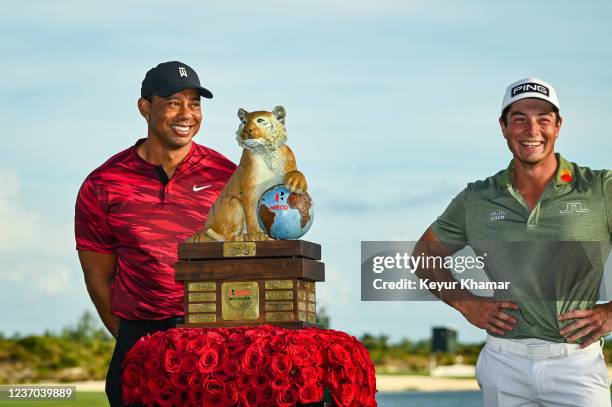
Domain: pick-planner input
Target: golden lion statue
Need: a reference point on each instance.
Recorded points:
(266, 161)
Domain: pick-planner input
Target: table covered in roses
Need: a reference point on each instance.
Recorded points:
(248, 366)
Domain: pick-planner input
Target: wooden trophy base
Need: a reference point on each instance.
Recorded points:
(250, 283)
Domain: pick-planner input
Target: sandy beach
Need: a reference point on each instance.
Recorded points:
(428, 383)
(423, 383)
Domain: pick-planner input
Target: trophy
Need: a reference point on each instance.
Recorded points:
(241, 269)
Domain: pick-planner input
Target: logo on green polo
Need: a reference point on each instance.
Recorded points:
(574, 207)
(497, 214)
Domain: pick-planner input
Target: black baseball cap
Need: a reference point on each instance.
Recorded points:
(170, 77)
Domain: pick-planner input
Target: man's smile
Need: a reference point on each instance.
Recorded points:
(182, 129)
(531, 143)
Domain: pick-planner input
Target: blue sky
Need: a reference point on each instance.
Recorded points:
(391, 106)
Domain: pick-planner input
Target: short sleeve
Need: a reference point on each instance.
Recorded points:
(607, 191)
(91, 229)
(450, 226)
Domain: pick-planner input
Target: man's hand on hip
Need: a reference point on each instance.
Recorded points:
(589, 325)
(488, 314)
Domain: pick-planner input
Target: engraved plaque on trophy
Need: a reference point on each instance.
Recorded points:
(250, 283)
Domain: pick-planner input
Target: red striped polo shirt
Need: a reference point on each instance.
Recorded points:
(128, 207)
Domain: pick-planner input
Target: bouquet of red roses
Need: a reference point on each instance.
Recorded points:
(248, 366)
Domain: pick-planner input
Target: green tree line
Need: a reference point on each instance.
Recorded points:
(79, 352)
(83, 351)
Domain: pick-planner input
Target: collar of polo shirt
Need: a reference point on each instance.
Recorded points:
(564, 175)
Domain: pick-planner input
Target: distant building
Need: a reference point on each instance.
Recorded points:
(443, 340)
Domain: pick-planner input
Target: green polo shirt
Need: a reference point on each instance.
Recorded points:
(553, 255)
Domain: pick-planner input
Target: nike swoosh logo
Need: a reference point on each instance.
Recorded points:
(196, 189)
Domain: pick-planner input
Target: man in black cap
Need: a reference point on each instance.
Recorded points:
(134, 210)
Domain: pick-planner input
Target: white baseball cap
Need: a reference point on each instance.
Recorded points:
(530, 88)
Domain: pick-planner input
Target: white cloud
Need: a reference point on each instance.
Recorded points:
(24, 230)
(34, 247)
(38, 277)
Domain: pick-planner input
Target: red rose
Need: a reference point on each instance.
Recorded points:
(254, 333)
(208, 361)
(372, 376)
(174, 339)
(231, 394)
(237, 343)
(197, 344)
(130, 376)
(316, 357)
(357, 354)
(167, 397)
(156, 384)
(227, 369)
(189, 363)
(179, 380)
(349, 373)
(213, 386)
(332, 379)
(266, 396)
(251, 359)
(248, 398)
(214, 336)
(280, 383)
(281, 365)
(196, 396)
(305, 338)
(172, 361)
(151, 364)
(214, 400)
(131, 395)
(310, 393)
(287, 397)
(347, 394)
(299, 355)
(310, 374)
(338, 355)
(195, 379)
(279, 341)
(260, 381)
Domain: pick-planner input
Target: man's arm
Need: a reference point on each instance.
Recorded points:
(99, 271)
(595, 323)
(480, 312)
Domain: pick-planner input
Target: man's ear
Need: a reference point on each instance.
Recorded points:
(144, 106)
(559, 123)
(503, 127)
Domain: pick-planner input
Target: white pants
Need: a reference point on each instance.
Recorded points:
(508, 378)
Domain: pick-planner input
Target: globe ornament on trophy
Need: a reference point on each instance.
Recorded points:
(283, 214)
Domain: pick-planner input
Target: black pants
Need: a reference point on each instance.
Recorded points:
(129, 333)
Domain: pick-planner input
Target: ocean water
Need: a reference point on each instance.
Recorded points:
(430, 399)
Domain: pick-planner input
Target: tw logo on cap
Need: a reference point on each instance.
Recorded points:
(530, 87)
(182, 72)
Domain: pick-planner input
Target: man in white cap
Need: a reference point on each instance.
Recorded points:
(543, 345)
